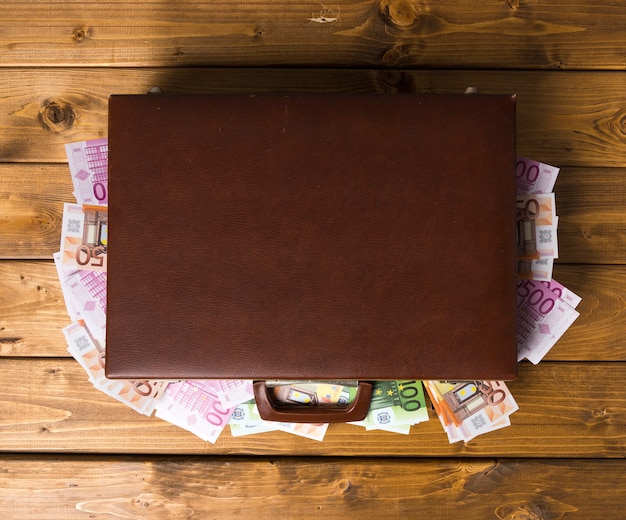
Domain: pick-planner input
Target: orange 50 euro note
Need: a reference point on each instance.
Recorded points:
(84, 237)
(467, 409)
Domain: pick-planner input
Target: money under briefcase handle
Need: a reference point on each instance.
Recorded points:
(270, 410)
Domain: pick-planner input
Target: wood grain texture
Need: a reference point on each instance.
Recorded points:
(181, 488)
(31, 208)
(375, 33)
(32, 312)
(591, 204)
(566, 410)
(597, 334)
(60, 61)
(573, 119)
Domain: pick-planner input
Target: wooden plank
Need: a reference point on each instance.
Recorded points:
(574, 119)
(31, 198)
(52, 488)
(32, 312)
(400, 33)
(590, 203)
(566, 410)
(598, 333)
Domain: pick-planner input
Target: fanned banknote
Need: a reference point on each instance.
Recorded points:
(194, 406)
(84, 237)
(86, 350)
(231, 392)
(315, 431)
(467, 409)
(85, 297)
(396, 403)
(567, 295)
(142, 396)
(536, 226)
(534, 176)
(542, 318)
(246, 420)
(88, 162)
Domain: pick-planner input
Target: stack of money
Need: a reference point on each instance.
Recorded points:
(82, 268)
(466, 409)
(396, 406)
(545, 309)
(537, 221)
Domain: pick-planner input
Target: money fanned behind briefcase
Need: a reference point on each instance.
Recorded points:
(324, 236)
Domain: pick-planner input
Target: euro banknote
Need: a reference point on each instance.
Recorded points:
(534, 176)
(194, 406)
(88, 163)
(246, 420)
(467, 409)
(140, 395)
(84, 237)
(542, 319)
(313, 431)
(84, 293)
(396, 403)
(536, 226)
(567, 295)
(539, 269)
(231, 392)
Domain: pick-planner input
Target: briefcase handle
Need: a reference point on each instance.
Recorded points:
(271, 410)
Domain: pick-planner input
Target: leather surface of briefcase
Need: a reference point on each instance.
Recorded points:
(311, 236)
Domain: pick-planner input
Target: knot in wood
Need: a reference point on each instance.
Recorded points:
(344, 486)
(617, 124)
(401, 13)
(513, 4)
(56, 116)
(393, 81)
(79, 34)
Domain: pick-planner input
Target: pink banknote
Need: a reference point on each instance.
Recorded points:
(542, 319)
(88, 162)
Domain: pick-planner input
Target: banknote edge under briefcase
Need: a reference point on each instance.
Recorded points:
(142, 126)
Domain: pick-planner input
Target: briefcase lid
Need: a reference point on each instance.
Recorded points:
(317, 236)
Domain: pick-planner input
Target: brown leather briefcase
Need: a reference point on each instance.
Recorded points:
(361, 237)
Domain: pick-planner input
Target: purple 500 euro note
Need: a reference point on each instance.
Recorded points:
(194, 406)
(535, 176)
(88, 162)
(542, 318)
(231, 392)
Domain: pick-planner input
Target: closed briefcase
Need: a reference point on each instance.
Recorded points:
(324, 236)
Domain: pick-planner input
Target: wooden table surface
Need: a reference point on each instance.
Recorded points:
(69, 451)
